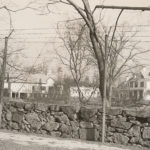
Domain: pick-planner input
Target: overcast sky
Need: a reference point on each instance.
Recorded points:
(32, 21)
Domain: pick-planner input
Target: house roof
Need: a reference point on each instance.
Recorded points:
(146, 73)
(35, 78)
(38, 78)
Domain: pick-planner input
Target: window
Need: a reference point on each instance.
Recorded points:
(136, 84)
(43, 88)
(130, 94)
(15, 95)
(131, 84)
(142, 84)
(33, 88)
(141, 94)
(135, 94)
(23, 95)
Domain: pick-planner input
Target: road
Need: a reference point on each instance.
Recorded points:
(15, 141)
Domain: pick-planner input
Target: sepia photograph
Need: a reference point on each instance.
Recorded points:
(74, 75)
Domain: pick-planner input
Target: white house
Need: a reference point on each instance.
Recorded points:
(137, 87)
(25, 89)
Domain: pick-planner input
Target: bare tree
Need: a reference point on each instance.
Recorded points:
(99, 48)
(122, 54)
(4, 57)
(77, 59)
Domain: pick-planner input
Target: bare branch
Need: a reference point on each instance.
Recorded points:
(115, 28)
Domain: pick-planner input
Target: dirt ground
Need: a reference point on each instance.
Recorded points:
(19, 141)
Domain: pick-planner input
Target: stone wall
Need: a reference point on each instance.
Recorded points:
(124, 126)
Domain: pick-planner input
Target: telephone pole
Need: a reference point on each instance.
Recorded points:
(2, 78)
(3, 70)
(104, 93)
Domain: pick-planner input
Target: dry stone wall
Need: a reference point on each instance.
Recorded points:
(124, 126)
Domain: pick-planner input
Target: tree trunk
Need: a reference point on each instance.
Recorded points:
(110, 96)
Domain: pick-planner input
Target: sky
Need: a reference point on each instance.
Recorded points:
(35, 33)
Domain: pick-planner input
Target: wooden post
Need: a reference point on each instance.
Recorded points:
(104, 94)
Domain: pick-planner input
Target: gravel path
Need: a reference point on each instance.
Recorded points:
(53, 143)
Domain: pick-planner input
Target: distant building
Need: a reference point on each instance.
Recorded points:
(86, 92)
(137, 87)
(30, 88)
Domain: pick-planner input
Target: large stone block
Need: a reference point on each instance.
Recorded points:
(119, 130)
(141, 112)
(98, 126)
(87, 125)
(14, 125)
(109, 139)
(50, 117)
(75, 134)
(19, 105)
(17, 117)
(121, 118)
(135, 140)
(120, 138)
(87, 113)
(135, 131)
(62, 119)
(33, 120)
(12, 109)
(65, 129)
(70, 111)
(8, 116)
(74, 125)
(55, 134)
(3, 125)
(110, 129)
(120, 124)
(41, 107)
(29, 106)
(42, 118)
(94, 119)
(146, 133)
(114, 111)
(89, 134)
(146, 144)
(51, 126)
